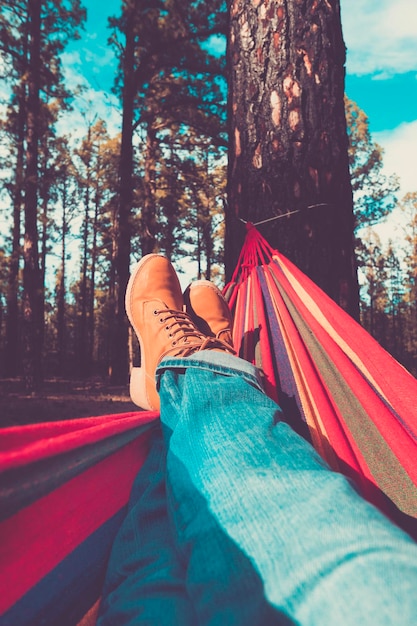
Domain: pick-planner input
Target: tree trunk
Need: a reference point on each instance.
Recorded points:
(119, 343)
(288, 146)
(12, 347)
(147, 239)
(208, 246)
(91, 315)
(83, 351)
(61, 326)
(206, 222)
(199, 250)
(110, 338)
(44, 193)
(32, 283)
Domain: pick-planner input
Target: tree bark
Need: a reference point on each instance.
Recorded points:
(12, 347)
(288, 145)
(43, 199)
(119, 343)
(32, 283)
(61, 289)
(147, 239)
(91, 314)
(83, 349)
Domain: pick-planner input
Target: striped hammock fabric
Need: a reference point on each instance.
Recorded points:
(355, 402)
(64, 486)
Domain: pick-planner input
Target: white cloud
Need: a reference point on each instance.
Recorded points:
(105, 58)
(72, 70)
(380, 36)
(90, 106)
(400, 145)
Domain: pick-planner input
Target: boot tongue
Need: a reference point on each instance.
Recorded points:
(181, 327)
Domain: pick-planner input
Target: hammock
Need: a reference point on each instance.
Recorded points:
(64, 486)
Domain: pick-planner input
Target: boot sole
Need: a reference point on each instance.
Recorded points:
(137, 384)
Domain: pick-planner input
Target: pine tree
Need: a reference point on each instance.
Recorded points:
(15, 126)
(163, 73)
(35, 32)
(373, 192)
(32, 278)
(409, 206)
(65, 193)
(103, 275)
(375, 297)
(396, 309)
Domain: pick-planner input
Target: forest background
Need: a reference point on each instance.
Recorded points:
(180, 178)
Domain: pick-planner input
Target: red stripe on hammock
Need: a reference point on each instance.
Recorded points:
(347, 449)
(239, 320)
(397, 436)
(23, 445)
(396, 382)
(77, 509)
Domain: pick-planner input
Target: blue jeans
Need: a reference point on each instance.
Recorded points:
(235, 519)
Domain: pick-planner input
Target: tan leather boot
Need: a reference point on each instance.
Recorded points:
(209, 311)
(155, 308)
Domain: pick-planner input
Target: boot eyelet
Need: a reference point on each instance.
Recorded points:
(161, 321)
(174, 343)
(156, 312)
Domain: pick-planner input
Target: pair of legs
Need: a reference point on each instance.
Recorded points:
(236, 520)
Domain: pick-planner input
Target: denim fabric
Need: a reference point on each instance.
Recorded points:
(250, 527)
(145, 577)
(252, 501)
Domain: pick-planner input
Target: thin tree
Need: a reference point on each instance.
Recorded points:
(32, 278)
(12, 346)
(409, 207)
(35, 32)
(14, 48)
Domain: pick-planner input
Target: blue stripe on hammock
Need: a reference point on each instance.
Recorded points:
(288, 395)
(65, 595)
(284, 375)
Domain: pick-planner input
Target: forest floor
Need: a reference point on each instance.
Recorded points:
(60, 400)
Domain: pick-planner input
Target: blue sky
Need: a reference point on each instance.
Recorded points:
(381, 40)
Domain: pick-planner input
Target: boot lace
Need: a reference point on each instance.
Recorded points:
(185, 336)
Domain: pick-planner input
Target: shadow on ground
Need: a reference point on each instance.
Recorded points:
(60, 400)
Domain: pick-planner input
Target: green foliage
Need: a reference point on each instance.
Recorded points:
(176, 78)
(374, 193)
(409, 207)
(388, 274)
(60, 22)
(389, 288)
(33, 35)
(188, 190)
(177, 92)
